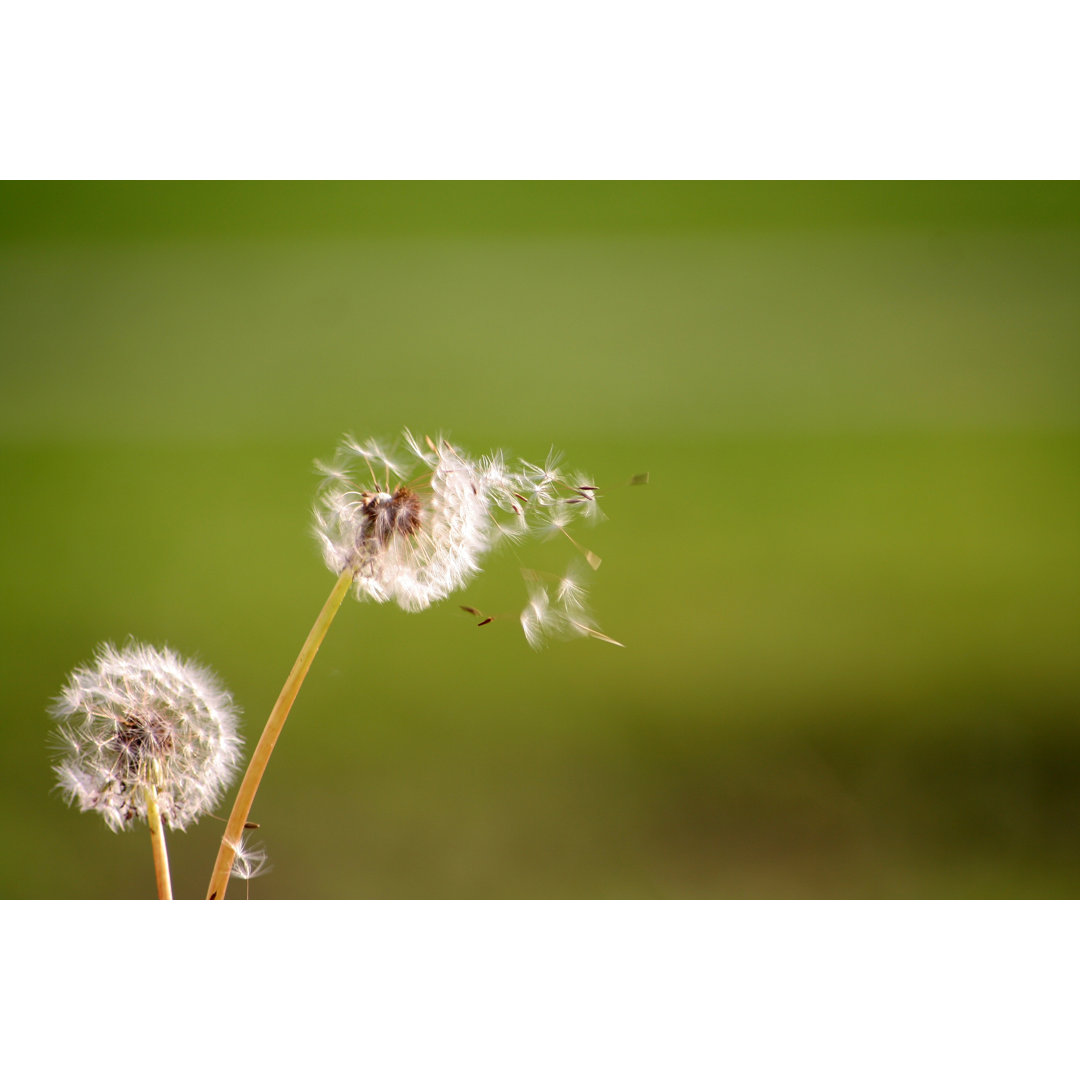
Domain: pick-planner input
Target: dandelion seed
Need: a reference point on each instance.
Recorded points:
(558, 611)
(542, 481)
(142, 719)
(251, 862)
(537, 620)
(570, 592)
(584, 493)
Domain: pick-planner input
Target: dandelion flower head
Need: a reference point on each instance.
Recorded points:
(140, 717)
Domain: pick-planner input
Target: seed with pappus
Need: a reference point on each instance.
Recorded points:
(557, 609)
(141, 718)
(251, 861)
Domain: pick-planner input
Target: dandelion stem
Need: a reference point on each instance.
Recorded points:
(219, 880)
(157, 842)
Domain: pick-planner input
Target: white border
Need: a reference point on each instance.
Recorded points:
(524, 990)
(560, 90)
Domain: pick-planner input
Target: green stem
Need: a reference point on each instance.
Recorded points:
(219, 880)
(157, 842)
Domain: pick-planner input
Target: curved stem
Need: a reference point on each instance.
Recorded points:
(219, 880)
(157, 842)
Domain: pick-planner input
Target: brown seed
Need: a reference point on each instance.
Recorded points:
(392, 514)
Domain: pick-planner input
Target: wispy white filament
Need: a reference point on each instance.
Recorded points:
(142, 716)
(557, 609)
(251, 862)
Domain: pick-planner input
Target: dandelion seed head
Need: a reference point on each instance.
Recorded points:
(415, 541)
(413, 546)
(143, 716)
(391, 515)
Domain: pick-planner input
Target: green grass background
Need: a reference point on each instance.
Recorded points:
(850, 595)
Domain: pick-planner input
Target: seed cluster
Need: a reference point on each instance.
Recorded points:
(418, 542)
(391, 515)
(142, 717)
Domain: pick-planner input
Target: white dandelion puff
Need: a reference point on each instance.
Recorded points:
(404, 545)
(142, 717)
(414, 528)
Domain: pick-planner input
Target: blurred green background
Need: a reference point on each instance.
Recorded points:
(850, 595)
